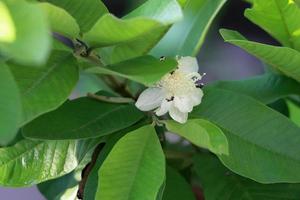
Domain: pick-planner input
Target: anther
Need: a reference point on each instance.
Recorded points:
(171, 99)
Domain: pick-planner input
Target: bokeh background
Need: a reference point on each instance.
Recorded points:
(219, 60)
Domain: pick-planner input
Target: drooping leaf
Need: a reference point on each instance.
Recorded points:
(86, 12)
(255, 135)
(176, 187)
(134, 169)
(60, 20)
(45, 88)
(265, 88)
(284, 59)
(278, 18)
(201, 133)
(186, 37)
(219, 183)
(82, 118)
(10, 106)
(146, 69)
(28, 39)
(30, 162)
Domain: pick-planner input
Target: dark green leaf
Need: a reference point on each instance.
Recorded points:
(255, 135)
(134, 169)
(44, 89)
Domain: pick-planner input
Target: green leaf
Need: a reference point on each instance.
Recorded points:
(146, 69)
(86, 12)
(82, 118)
(134, 169)
(186, 37)
(31, 162)
(176, 187)
(201, 133)
(10, 106)
(277, 17)
(294, 111)
(218, 182)
(266, 88)
(45, 88)
(27, 40)
(60, 20)
(255, 135)
(284, 59)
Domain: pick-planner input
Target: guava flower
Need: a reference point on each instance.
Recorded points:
(177, 92)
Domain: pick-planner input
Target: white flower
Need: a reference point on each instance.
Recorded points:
(177, 92)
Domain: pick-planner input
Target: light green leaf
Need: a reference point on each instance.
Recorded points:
(266, 88)
(176, 187)
(201, 133)
(60, 20)
(27, 37)
(255, 135)
(277, 17)
(294, 112)
(284, 59)
(30, 162)
(218, 182)
(146, 69)
(10, 106)
(82, 118)
(86, 12)
(190, 33)
(44, 89)
(134, 169)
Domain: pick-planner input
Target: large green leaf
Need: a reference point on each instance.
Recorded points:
(278, 18)
(10, 106)
(177, 187)
(186, 37)
(86, 12)
(263, 144)
(266, 88)
(134, 169)
(60, 20)
(201, 133)
(221, 184)
(44, 89)
(27, 39)
(30, 162)
(284, 59)
(82, 118)
(146, 69)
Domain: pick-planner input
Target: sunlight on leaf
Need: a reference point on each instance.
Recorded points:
(7, 27)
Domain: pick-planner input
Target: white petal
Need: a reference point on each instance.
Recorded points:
(188, 64)
(150, 98)
(164, 108)
(196, 96)
(183, 103)
(178, 116)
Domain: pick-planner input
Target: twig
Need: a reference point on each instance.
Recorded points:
(110, 99)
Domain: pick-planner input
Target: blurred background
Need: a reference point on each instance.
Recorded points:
(219, 60)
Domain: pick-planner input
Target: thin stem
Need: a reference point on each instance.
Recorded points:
(110, 99)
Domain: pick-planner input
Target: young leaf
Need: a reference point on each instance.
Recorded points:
(201, 133)
(28, 38)
(217, 181)
(177, 187)
(30, 162)
(60, 20)
(134, 169)
(44, 89)
(284, 59)
(146, 69)
(86, 12)
(82, 118)
(266, 88)
(255, 135)
(278, 18)
(189, 34)
(10, 106)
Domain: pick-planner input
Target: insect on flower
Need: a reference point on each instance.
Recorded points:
(176, 93)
